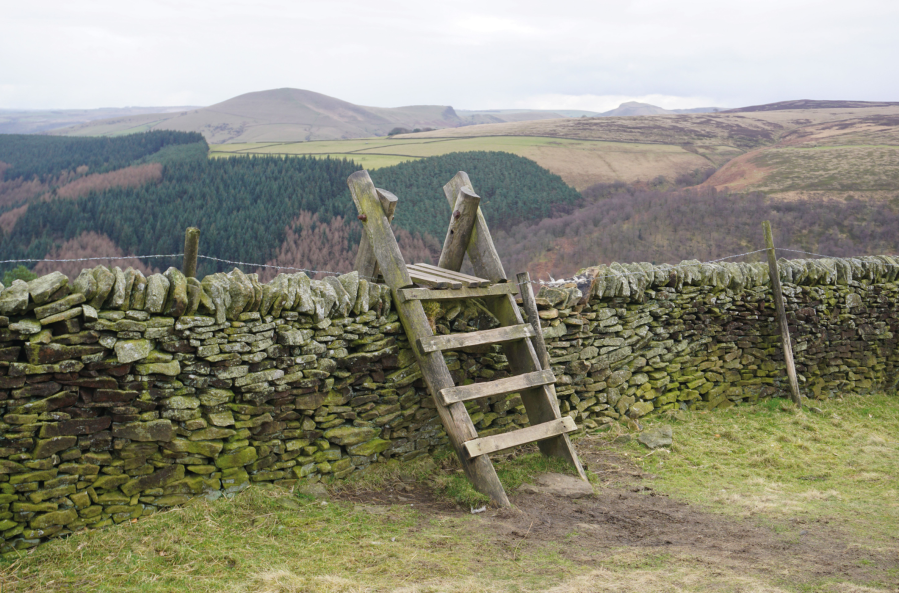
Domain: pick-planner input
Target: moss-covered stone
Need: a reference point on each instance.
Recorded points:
(54, 518)
(237, 458)
(351, 435)
(369, 448)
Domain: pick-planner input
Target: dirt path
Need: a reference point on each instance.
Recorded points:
(627, 514)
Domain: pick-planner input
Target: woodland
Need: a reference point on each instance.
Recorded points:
(67, 198)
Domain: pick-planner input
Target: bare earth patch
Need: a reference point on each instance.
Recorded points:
(628, 531)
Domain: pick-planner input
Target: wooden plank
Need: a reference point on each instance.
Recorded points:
(488, 336)
(529, 303)
(366, 263)
(481, 252)
(455, 418)
(428, 279)
(377, 229)
(507, 440)
(461, 225)
(410, 294)
(473, 281)
(540, 403)
(499, 387)
(781, 314)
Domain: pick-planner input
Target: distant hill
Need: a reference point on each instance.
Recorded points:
(635, 108)
(37, 121)
(280, 115)
(297, 115)
(809, 104)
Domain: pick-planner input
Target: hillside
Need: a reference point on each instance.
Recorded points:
(38, 121)
(811, 104)
(856, 157)
(632, 224)
(262, 209)
(279, 115)
(296, 115)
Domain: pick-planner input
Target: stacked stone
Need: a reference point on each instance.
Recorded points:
(695, 336)
(123, 394)
(176, 388)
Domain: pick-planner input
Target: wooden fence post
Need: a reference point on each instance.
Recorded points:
(191, 249)
(781, 313)
(530, 308)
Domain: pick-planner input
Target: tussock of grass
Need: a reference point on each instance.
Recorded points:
(772, 460)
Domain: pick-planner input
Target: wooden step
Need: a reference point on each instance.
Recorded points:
(507, 440)
(428, 279)
(472, 281)
(489, 336)
(428, 294)
(463, 393)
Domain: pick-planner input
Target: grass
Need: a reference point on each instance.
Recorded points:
(267, 539)
(765, 461)
(580, 163)
(769, 461)
(829, 168)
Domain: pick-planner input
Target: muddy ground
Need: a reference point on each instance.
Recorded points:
(628, 514)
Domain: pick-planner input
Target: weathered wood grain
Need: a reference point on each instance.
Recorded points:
(499, 387)
(461, 226)
(428, 279)
(465, 279)
(481, 251)
(408, 294)
(507, 440)
(487, 336)
(781, 314)
(377, 229)
(366, 263)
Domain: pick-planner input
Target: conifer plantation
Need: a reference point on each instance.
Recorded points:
(135, 195)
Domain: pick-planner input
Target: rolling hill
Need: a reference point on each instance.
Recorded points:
(279, 115)
(39, 121)
(296, 115)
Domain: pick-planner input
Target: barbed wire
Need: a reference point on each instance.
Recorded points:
(551, 282)
(239, 263)
(14, 261)
(643, 273)
(836, 256)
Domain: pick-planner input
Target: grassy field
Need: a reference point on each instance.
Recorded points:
(837, 463)
(857, 157)
(752, 499)
(580, 163)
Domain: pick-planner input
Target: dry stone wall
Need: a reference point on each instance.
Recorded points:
(123, 395)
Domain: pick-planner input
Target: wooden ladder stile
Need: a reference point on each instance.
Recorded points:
(467, 234)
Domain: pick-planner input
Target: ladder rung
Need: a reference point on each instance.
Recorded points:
(411, 294)
(489, 336)
(499, 387)
(428, 279)
(472, 281)
(506, 440)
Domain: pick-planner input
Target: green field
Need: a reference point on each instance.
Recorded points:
(580, 163)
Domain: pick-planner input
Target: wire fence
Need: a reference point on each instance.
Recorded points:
(551, 282)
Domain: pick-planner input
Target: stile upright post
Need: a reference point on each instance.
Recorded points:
(530, 308)
(366, 263)
(191, 250)
(781, 314)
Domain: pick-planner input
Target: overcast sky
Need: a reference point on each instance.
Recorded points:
(469, 54)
